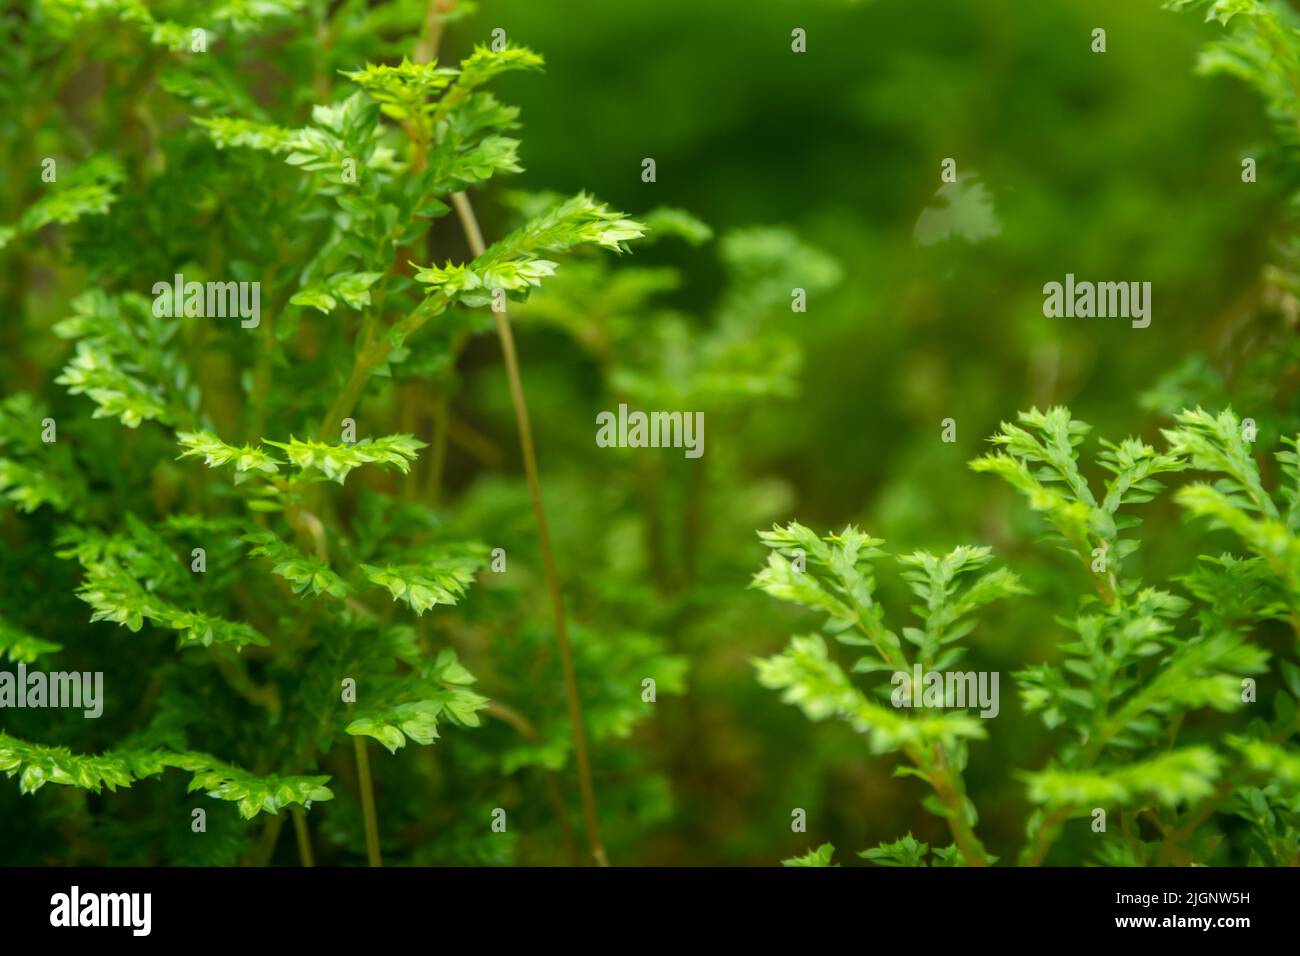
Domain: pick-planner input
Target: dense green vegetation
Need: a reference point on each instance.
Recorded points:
(352, 564)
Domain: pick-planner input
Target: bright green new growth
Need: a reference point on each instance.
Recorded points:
(334, 462)
(1137, 665)
(409, 707)
(37, 765)
(836, 576)
(1139, 661)
(907, 851)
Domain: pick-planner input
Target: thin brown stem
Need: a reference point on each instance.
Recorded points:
(473, 234)
(304, 837)
(366, 786)
(435, 17)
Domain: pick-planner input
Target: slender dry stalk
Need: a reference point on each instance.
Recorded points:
(469, 222)
(434, 22)
(367, 789)
(304, 837)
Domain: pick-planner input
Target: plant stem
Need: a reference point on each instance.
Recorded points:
(434, 17)
(469, 223)
(438, 457)
(1044, 837)
(304, 837)
(365, 785)
(265, 849)
(947, 788)
(372, 346)
(369, 355)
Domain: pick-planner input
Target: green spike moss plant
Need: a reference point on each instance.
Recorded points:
(1138, 661)
(347, 207)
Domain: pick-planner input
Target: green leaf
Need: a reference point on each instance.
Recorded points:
(336, 462)
(412, 706)
(228, 132)
(18, 645)
(820, 688)
(216, 453)
(818, 857)
(907, 851)
(422, 587)
(1170, 779)
(38, 765)
(86, 190)
(303, 573)
(515, 264)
